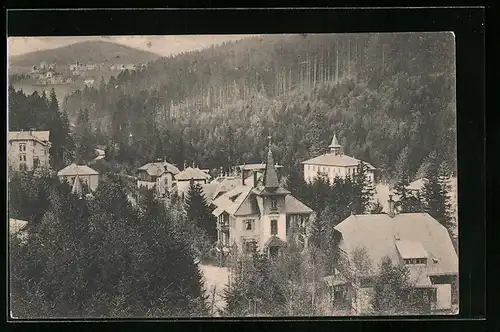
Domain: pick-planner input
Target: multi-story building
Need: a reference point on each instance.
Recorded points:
(190, 175)
(259, 214)
(334, 163)
(158, 175)
(28, 150)
(415, 240)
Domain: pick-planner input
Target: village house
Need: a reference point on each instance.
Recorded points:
(89, 82)
(28, 150)
(332, 164)
(188, 175)
(159, 175)
(259, 213)
(76, 175)
(415, 240)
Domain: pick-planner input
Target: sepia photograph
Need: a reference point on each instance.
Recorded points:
(272, 175)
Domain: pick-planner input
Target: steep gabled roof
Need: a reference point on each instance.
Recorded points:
(270, 174)
(75, 169)
(378, 233)
(226, 203)
(335, 142)
(158, 168)
(293, 205)
(192, 173)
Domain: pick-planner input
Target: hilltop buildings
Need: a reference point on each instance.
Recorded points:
(259, 213)
(415, 240)
(28, 150)
(332, 164)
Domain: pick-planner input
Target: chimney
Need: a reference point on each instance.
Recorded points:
(221, 172)
(391, 207)
(255, 178)
(242, 177)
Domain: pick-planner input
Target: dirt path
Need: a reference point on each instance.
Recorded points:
(215, 277)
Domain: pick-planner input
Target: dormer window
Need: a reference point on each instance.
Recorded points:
(274, 204)
(415, 261)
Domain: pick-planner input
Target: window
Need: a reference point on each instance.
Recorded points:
(413, 261)
(273, 204)
(22, 157)
(23, 167)
(249, 246)
(274, 227)
(248, 224)
(22, 147)
(36, 162)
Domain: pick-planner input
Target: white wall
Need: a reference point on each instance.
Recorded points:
(311, 171)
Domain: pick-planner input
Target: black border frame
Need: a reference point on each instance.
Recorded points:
(468, 24)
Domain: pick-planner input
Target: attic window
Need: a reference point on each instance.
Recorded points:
(233, 198)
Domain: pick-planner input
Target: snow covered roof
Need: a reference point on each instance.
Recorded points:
(331, 159)
(75, 169)
(380, 235)
(192, 173)
(40, 136)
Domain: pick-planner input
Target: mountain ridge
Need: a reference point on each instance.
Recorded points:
(85, 52)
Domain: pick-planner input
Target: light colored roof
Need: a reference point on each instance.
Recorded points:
(158, 168)
(77, 186)
(419, 276)
(293, 205)
(378, 233)
(41, 136)
(410, 249)
(419, 183)
(192, 173)
(335, 143)
(330, 159)
(16, 225)
(231, 201)
(209, 190)
(75, 169)
(258, 167)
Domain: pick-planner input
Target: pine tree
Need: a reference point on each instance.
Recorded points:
(392, 286)
(407, 202)
(61, 142)
(363, 190)
(435, 193)
(198, 211)
(85, 151)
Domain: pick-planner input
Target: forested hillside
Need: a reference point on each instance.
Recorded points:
(389, 97)
(87, 52)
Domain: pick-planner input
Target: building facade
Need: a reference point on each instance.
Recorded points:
(158, 175)
(414, 240)
(28, 150)
(190, 175)
(332, 164)
(259, 215)
(81, 174)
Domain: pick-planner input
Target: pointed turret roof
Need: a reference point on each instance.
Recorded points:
(77, 187)
(270, 175)
(335, 142)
